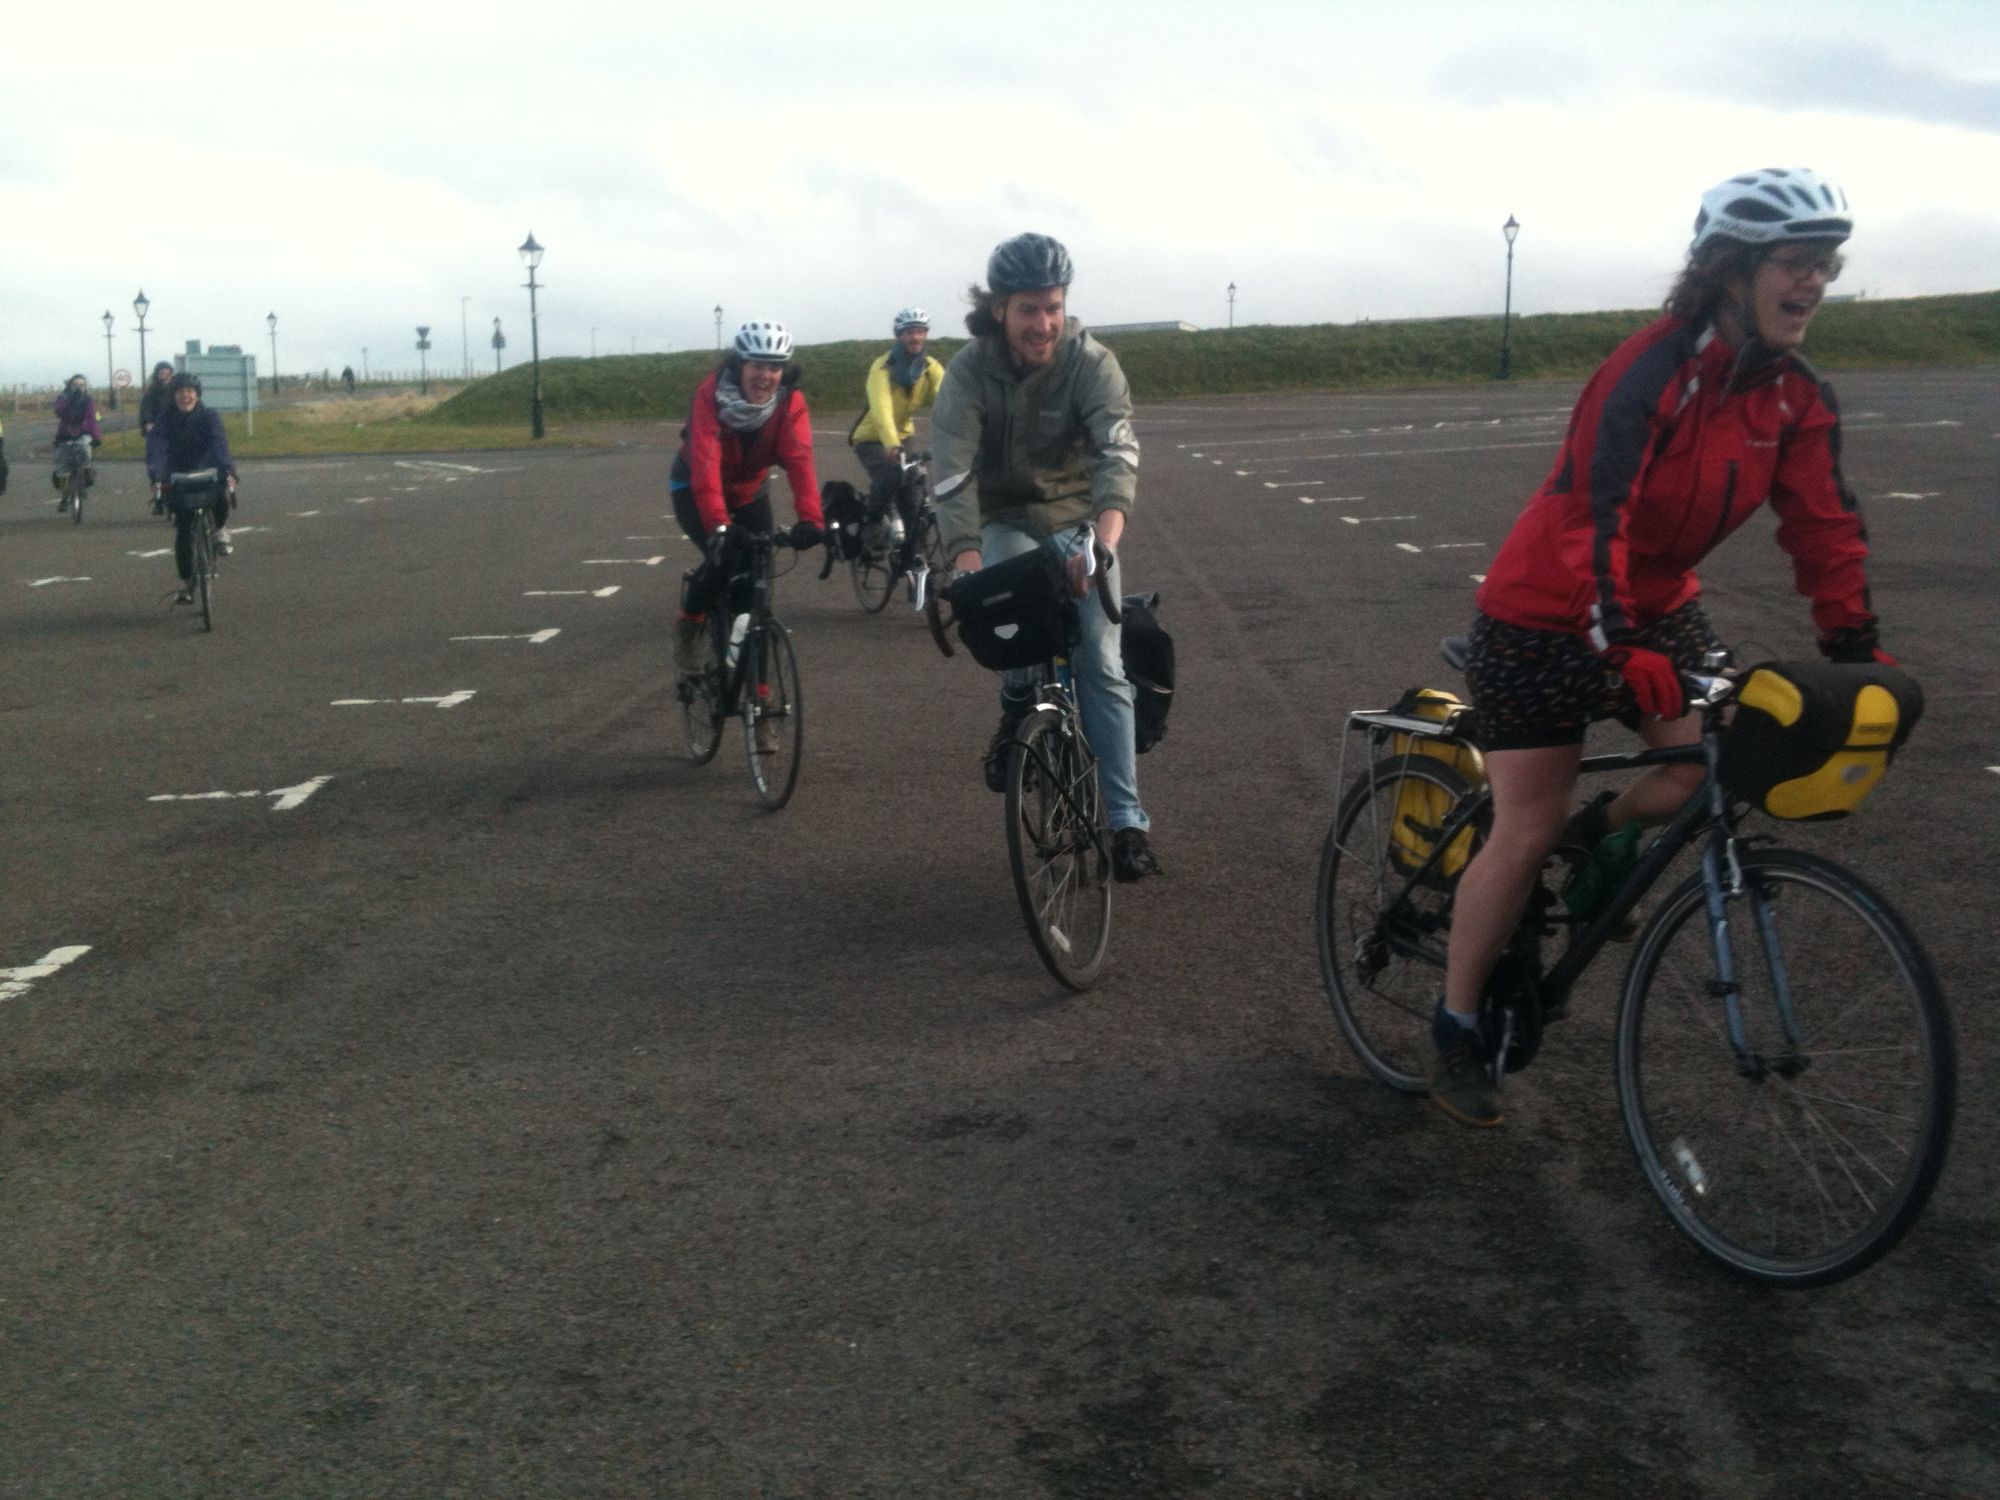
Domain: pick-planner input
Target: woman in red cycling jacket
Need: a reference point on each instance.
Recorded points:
(747, 418)
(1592, 605)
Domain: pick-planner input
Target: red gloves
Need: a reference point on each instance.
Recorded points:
(1655, 685)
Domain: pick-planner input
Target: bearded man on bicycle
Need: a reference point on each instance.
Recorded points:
(1032, 435)
(900, 384)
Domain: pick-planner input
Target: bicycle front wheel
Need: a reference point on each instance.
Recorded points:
(1382, 946)
(774, 714)
(1803, 1157)
(1059, 848)
(73, 491)
(869, 567)
(937, 608)
(204, 572)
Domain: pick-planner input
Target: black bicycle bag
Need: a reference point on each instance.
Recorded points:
(1017, 613)
(844, 509)
(1148, 652)
(1811, 739)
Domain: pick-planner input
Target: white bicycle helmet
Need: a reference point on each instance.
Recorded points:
(912, 317)
(1773, 204)
(764, 343)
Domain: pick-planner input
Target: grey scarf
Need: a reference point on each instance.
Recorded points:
(738, 413)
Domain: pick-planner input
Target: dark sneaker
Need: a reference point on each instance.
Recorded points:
(1132, 857)
(995, 763)
(1460, 1077)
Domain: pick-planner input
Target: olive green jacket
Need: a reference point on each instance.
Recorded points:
(1039, 449)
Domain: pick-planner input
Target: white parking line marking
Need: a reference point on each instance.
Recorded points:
(606, 562)
(288, 797)
(604, 593)
(449, 700)
(1910, 495)
(305, 512)
(1407, 547)
(647, 539)
(539, 638)
(1364, 520)
(1941, 422)
(14, 982)
(438, 463)
(363, 500)
(1448, 546)
(1477, 577)
(1290, 484)
(156, 552)
(42, 583)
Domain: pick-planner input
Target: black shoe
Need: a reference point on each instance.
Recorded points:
(996, 753)
(1460, 1074)
(1132, 857)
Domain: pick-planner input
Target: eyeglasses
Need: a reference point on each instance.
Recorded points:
(1799, 266)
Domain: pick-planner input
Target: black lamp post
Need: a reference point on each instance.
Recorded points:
(531, 255)
(110, 378)
(423, 364)
(1232, 304)
(139, 305)
(271, 322)
(718, 328)
(499, 343)
(1510, 229)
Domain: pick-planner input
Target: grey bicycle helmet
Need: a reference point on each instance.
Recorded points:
(1773, 204)
(912, 317)
(1028, 263)
(764, 343)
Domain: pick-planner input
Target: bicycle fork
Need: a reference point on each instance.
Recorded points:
(1724, 884)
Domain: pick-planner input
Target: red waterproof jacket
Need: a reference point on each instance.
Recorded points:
(725, 467)
(1670, 448)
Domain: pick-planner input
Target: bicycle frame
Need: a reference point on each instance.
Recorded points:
(1722, 875)
(722, 620)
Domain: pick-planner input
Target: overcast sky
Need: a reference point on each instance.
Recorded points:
(358, 168)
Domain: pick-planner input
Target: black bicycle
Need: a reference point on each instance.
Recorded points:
(1018, 614)
(1784, 1062)
(190, 499)
(72, 461)
(751, 672)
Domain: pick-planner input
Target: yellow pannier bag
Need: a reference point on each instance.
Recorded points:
(1811, 739)
(1422, 807)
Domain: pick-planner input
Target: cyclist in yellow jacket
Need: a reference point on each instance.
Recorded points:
(900, 384)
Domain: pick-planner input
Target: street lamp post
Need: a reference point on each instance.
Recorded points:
(271, 322)
(499, 343)
(1232, 304)
(110, 378)
(423, 363)
(1510, 229)
(139, 305)
(531, 254)
(718, 328)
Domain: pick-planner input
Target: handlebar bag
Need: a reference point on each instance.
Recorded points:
(192, 494)
(1811, 739)
(1017, 613)
(842, 505)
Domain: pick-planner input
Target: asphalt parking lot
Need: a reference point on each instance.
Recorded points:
(416, 1079)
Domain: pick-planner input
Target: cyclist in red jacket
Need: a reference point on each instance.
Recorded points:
(1592, 606)
(746, 419)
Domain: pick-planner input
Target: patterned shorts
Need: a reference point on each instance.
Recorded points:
(1534, 688)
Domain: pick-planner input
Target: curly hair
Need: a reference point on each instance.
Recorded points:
(984, 318)
(1707, 275)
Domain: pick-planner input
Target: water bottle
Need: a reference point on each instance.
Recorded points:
(896, 527)
(738, 628)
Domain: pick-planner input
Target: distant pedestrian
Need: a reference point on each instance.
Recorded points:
(347, 378)
(159, 396)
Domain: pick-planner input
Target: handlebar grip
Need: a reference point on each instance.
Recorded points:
(1103, 580)
(826, 567)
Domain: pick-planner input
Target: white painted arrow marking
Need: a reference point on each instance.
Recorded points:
(604, 593)
(288, 797)
(539, 638)
(42, 583)
(449, 700)
(1361, 520)
(156, 552)
(14, 982)
(604, 562)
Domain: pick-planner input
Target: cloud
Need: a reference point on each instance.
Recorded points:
(1850, 78)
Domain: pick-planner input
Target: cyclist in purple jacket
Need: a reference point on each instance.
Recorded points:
(76, 417)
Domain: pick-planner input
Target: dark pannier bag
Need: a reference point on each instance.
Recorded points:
(844, 510)
(1811, 739)
(1149, 666)
(194, 491)
(1017, 613)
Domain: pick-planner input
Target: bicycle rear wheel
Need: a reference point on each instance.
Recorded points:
(701, 697)
(774, 714)
(1381, 948)
(73, 492)
(869, 567)
(1805, 1159)
(1058, 847)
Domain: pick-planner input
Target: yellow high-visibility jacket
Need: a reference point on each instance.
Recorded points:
(891, 406)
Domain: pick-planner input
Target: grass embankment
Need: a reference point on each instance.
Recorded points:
(358, 424)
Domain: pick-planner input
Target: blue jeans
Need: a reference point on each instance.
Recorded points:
(1097, 665)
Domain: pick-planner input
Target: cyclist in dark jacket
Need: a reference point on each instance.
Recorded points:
(76, 417)
(1592, 605)
(188, 438)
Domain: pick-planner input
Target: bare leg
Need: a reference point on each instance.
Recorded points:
(1663, 791)
(1531, 796)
